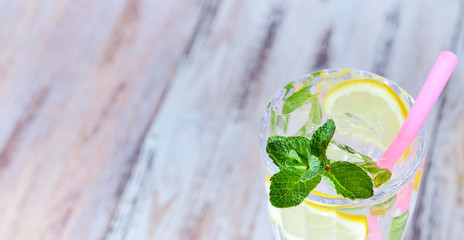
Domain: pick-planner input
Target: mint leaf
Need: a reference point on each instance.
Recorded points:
(308, 80)
(344, 147)
(398, 225)
(273, 121)
(314, 119)
(288, 190)
(283, 155)
(379, 175)
(315, 74)
(300, 144)
(316, 112)
(349, 180)
(297, 99)
(292, 154)
(314, 166)
(283, 121)
(288, 87)
(321, 139)
(276, 138)
(304, 129)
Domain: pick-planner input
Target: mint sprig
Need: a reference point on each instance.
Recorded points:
(303, 162)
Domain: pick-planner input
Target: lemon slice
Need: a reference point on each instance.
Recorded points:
(310, 221)
(366, 109)
(417, 179)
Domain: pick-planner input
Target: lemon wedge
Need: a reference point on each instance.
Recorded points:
(366, 109)
(310, 221)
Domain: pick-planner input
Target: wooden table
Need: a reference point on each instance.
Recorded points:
(137, 119)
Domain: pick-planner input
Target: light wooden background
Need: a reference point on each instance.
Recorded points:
(138, 119)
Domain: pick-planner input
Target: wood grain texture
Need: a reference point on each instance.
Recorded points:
(139, 119)
(81, 83)
(212, 124)
(440, 213)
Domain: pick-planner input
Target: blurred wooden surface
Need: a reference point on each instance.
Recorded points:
(137, 119)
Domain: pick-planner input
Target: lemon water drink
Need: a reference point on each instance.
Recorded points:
(368, 111)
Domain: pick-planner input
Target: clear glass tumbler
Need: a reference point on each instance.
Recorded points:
(323, 214)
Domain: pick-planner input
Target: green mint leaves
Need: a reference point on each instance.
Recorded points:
(297, 100)
(379, 175)
(349, 180)
(314, 118)
(288, 189)
(285, 155)
(398, 225)
(320, 141)
(303, 162)
(300, 161)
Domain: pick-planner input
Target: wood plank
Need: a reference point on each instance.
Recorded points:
(198, 174)
(81, 81)
(440, 212)
(172, 192)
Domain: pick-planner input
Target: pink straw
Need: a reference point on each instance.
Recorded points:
(436, 81)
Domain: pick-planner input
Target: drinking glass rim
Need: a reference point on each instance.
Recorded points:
(384, 192)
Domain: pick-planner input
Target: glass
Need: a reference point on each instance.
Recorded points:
(324, 215)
